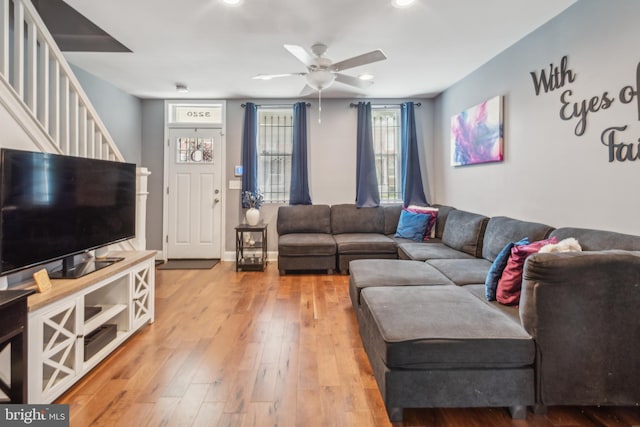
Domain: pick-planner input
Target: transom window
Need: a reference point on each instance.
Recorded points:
(275, 144)
(388, 152)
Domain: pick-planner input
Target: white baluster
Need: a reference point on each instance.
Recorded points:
(31, 83)
(4, 38)
(18, 48)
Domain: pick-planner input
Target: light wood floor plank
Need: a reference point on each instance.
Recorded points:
(260, 349)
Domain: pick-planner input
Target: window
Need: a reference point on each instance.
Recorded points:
(275, 143)
(387, 148)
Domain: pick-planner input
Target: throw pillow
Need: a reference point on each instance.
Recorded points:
(412, 225)
(495, 272)
(431, 227)
(510, 284)
(567, 245)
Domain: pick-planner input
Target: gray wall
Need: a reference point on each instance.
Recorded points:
(549, 174)
(119, 111)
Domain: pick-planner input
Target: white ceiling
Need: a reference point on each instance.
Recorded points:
(215, 49)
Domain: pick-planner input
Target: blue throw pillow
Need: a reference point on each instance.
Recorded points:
(412, 225)
(498, 266)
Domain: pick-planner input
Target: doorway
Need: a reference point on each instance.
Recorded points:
(194, 193)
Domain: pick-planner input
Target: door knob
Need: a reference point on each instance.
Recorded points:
(216, 200)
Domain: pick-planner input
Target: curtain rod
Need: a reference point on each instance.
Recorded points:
(274, 105)
(354, 105)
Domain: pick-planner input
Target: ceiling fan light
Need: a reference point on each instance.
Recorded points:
(366, 76)
(320, 80)
(402, 3)
(232, 2)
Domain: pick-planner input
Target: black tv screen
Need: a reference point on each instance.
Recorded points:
(54, 206)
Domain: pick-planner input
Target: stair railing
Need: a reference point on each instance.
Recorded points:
(33, 66)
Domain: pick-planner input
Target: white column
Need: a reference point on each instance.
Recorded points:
(140, 242)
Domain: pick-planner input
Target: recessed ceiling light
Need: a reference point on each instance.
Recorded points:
(402, 3)
(366, 76)
(182, 88)
(232, 2)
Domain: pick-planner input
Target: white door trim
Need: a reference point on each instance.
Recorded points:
(165, 143)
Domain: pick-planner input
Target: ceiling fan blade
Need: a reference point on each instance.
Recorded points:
(275, 76)
(307, 90)
(356, 61)
(300, 53)
(353, 81)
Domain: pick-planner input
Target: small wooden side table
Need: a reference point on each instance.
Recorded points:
(13, 330)
(251, 247)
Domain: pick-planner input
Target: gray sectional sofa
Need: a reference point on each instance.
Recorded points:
(319, 237)
(433, 340)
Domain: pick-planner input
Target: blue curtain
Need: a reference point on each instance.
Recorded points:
(367, 194)
(412, 189)
(299, 190)
(250, 149)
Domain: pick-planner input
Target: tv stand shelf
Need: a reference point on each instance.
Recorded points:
(78, 322)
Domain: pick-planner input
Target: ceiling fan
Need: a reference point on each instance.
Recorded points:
(321, 72)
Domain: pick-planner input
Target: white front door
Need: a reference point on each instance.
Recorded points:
(194, 193)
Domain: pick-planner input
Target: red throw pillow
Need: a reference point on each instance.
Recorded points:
(510, 283)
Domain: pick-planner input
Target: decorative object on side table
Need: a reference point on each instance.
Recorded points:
(251, 247)
(253, 201)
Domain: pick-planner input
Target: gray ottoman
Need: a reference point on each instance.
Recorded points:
(365, 273)
(440, 346)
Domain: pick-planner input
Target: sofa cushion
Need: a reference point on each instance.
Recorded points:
(421, 327)
(502, 230)
(347, 218)
(304, 219)
(413, 225)
(391, 272)
(509, 285)
(478, 291)
(463, 271)
(391, 218)
(498, 266)
(464, 231)
(441, 222)
(431, 250)
(599, 240)
(370, 243)
(306, 244)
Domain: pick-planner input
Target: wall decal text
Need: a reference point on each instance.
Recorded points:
(573, 108)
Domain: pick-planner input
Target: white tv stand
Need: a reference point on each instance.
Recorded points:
(58, 332)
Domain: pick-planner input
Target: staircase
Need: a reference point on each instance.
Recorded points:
(43, 106)
(41, 93)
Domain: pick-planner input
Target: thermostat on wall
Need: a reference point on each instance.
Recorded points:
(238, 171)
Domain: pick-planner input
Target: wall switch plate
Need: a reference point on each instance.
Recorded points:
(235, 184)
(237, 171)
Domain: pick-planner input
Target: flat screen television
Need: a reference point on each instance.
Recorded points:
(53, 207)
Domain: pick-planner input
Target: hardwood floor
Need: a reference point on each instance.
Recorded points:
(259, 349)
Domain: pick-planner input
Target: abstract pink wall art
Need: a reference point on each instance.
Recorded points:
(477, 134)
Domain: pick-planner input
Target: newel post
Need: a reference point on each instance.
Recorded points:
(140, 242)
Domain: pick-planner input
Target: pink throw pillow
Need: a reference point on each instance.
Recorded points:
(431, 226)
(510, 283)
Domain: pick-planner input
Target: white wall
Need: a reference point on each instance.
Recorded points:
(549, 174)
